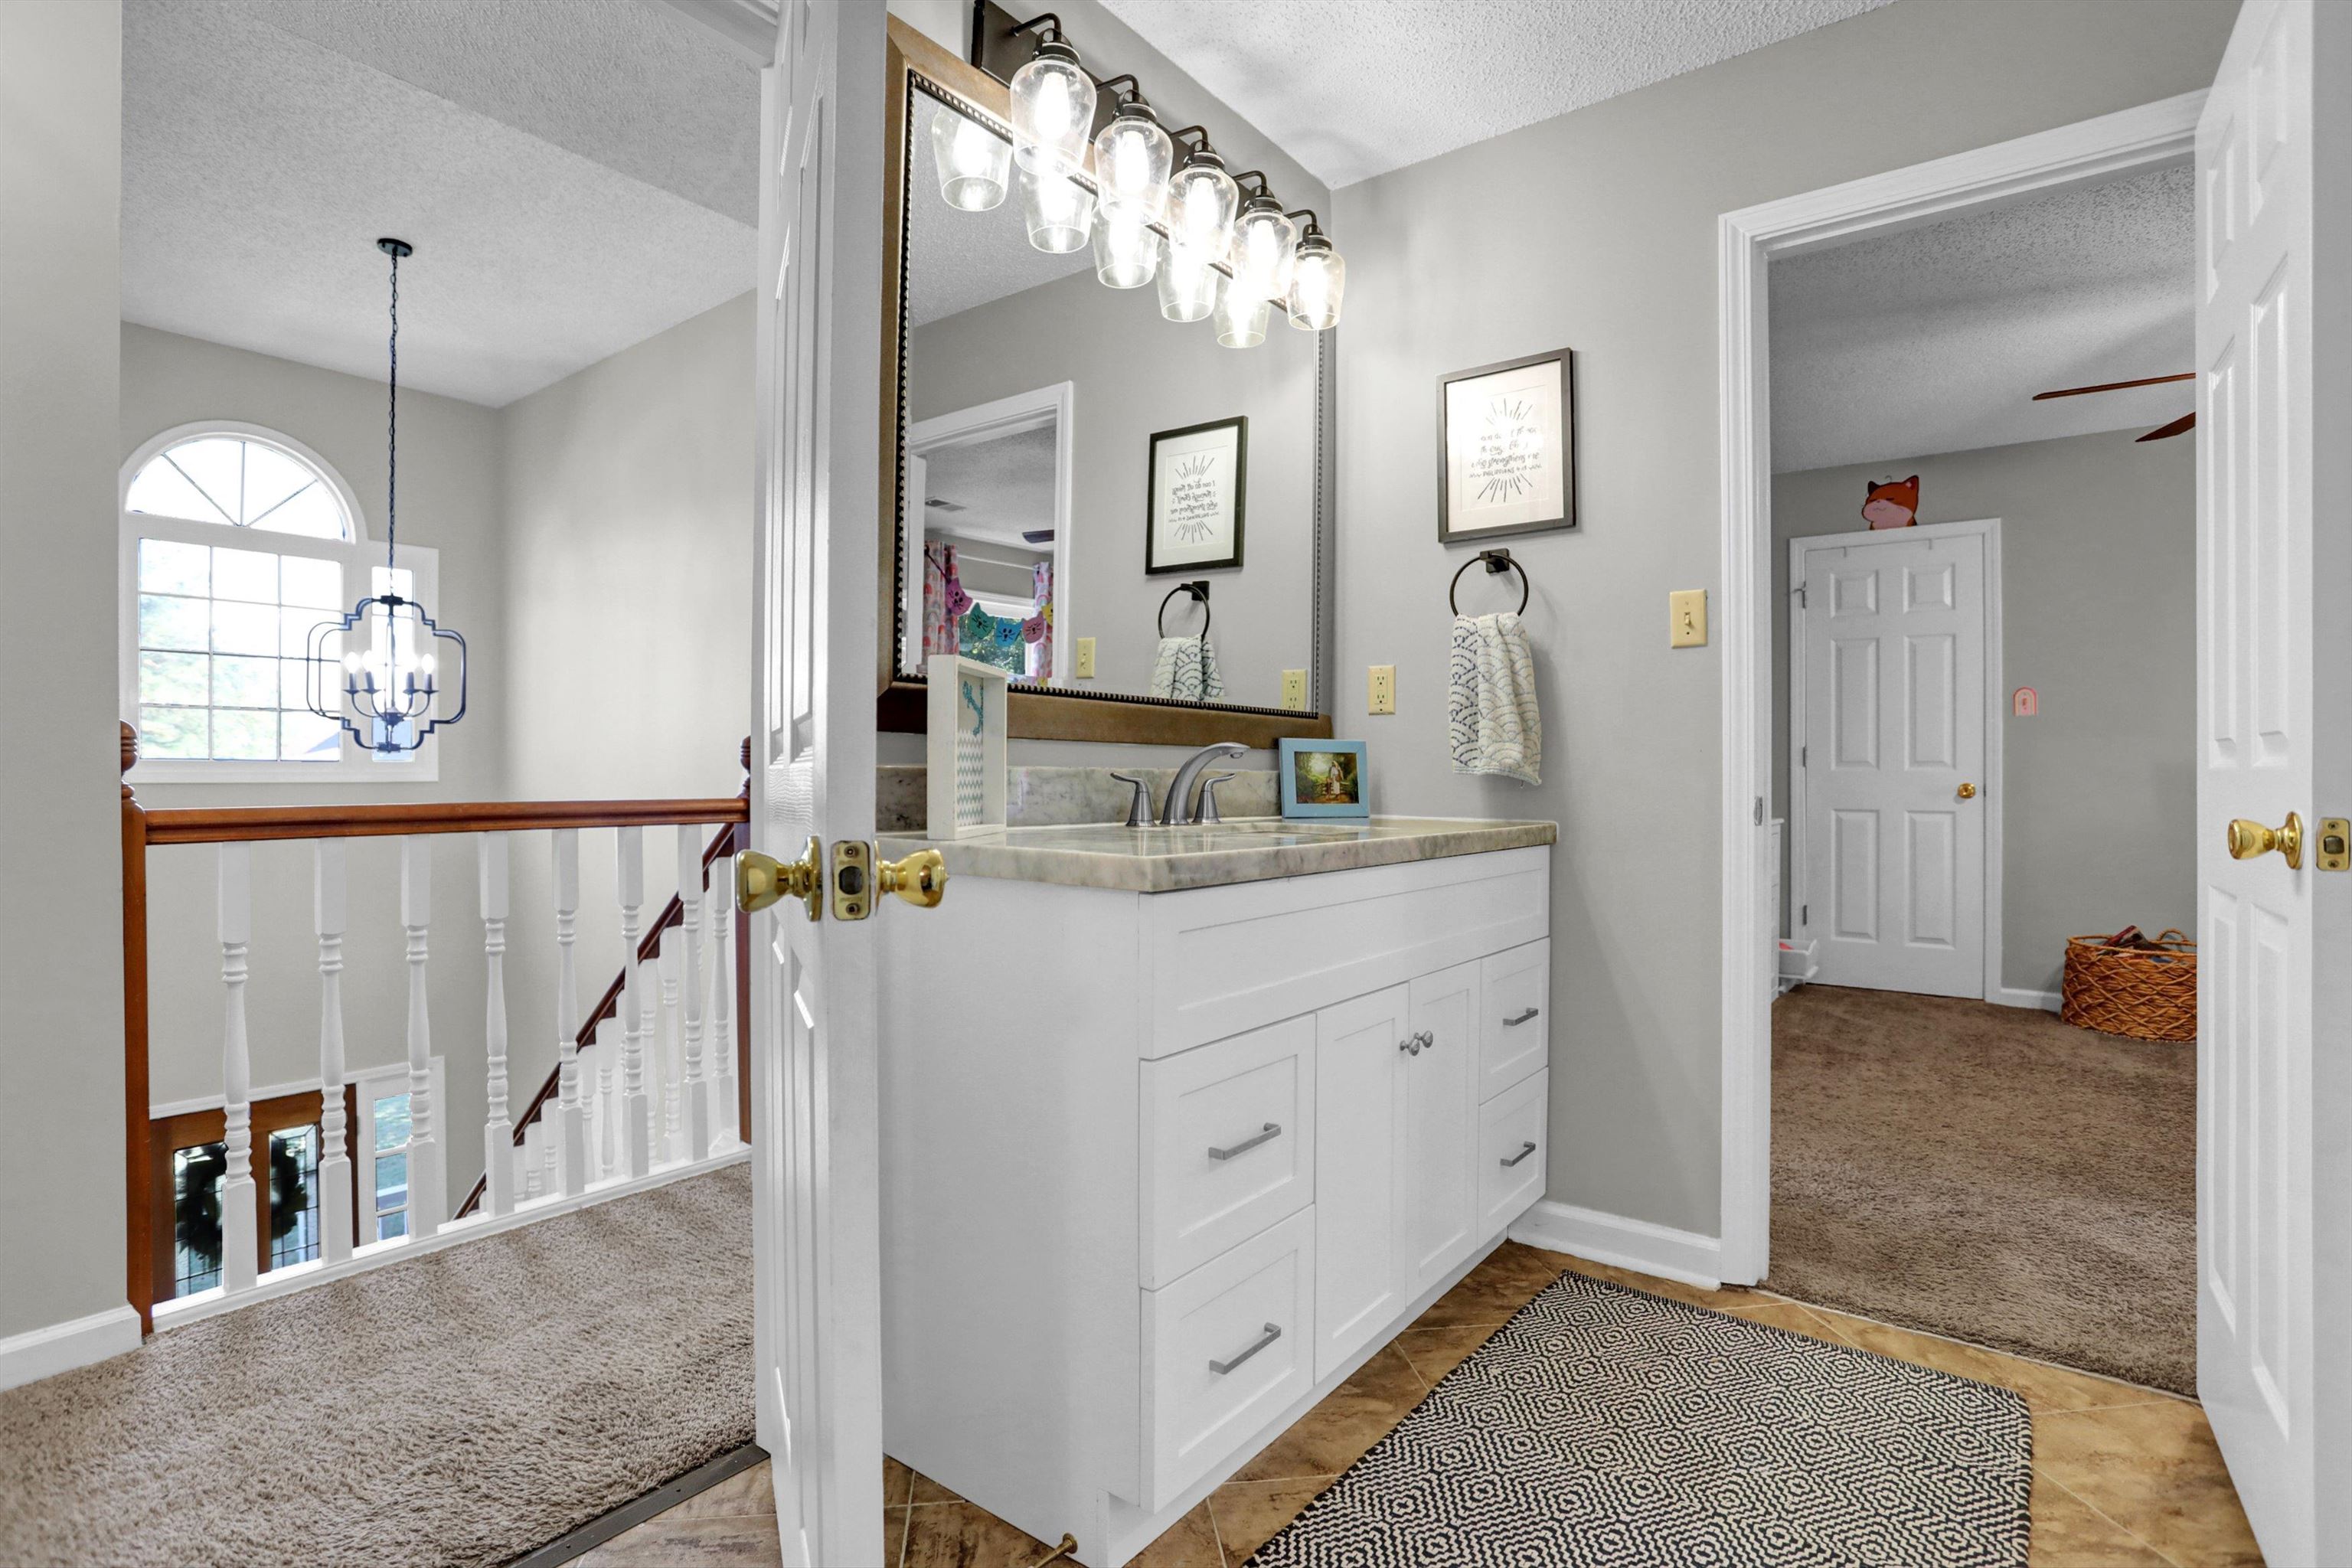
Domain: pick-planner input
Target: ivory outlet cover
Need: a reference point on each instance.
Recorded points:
(1382, 693)
(1293, 690)
(1084, 660)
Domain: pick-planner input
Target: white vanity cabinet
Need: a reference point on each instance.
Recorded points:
(1161, 1169)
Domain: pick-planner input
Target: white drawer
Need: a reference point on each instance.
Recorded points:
(1513, 1131)
(1515, 1008)
(1226, 1349)
(1228, 1145)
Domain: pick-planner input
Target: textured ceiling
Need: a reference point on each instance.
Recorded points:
(1936, 339)
(958, 259)
(1004, 487)
(1352, 90)
(577, 175)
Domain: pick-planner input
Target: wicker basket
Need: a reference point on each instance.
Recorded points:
(2147, 993)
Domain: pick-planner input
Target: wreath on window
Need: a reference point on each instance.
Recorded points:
(196, 1206)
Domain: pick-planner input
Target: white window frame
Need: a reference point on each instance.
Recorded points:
(356, 555)
(366, 1087)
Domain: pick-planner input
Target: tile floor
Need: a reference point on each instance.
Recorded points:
(2124, 1477)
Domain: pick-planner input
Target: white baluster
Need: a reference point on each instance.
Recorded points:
(334, 1164)
(532, 1157)
(669, 1061)
(608, 1108)
(571, 1135)
(498, 1127)
(723, 1000)
(636, 1111)
(427, 1176)
(240, 1247)
(695, 1117)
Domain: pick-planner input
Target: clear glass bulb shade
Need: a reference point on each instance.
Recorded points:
(1132, 160)
(1262, 242)
(1127, 252)
(975, 163)
(1317, 282)
(1188, 284)
(1058, 210)
(1052, 111)
(1201, 202)
(1241, 315)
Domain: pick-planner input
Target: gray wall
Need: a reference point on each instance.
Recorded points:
(1133, 373)
(448, 491)
(2098, 797)
(1596, 230)
(60, 911)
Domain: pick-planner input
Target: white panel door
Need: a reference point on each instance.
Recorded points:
(1441, 1198)
(1891, 647)
(1362, 1276)
(816, 1216)
(2270, 1095)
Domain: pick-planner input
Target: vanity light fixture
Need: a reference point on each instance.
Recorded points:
(1058, 210)
(1133, 158)
(1053, 104)
(1264, 240)
(1203, 201)
(1319, 277)
(975, 165)
(1127, 252)
(1188, 284)
(1242, 315)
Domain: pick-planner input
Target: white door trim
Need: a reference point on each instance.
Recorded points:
(1748, 239)
(1992, 793)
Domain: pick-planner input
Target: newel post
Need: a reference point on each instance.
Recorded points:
(139, 1278)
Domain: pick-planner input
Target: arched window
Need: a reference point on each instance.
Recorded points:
(236, 541)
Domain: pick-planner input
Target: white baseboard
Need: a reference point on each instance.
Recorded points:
(62, 1347)
(1635, 1244)
(2011, 996)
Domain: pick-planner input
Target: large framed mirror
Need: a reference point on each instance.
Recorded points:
(1127, 515)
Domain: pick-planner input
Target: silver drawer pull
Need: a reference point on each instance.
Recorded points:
(1525, 1150)
(1514, 1023)
(1273, 1332)
(1273, 1130)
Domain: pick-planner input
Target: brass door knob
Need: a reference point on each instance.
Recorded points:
(762, 879)
(2251, 840)
(1968, 792)
(921, 878)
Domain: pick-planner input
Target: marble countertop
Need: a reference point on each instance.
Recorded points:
(1249, 849)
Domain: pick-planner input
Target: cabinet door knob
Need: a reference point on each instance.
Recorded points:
(1412, 1044)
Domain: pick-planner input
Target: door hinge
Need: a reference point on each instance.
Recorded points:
(1760, 811)
(1804, 914)
(1804, 756)
(1801, 601)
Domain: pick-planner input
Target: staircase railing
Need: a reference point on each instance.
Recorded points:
(634, 1096)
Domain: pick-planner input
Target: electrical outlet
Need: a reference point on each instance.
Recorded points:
(1687, 610)
(1382, 696)
(1293, 690)
(1085, 660)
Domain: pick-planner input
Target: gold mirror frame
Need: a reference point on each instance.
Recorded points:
(1034, 713)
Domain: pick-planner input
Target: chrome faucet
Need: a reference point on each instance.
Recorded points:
(1179, 810)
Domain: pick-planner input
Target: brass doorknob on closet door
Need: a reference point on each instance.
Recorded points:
(921, 878)
(1968, 792)
(762, 879)
(2251, 840)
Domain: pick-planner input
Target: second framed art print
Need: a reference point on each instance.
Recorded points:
(1507, 448)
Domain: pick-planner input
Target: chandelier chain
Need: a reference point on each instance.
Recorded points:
(391, 431)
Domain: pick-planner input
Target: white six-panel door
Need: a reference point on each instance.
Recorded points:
(1888, 767)
(816, 1170)
(2266, 625)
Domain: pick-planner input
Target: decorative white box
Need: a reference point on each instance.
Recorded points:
(964, 747)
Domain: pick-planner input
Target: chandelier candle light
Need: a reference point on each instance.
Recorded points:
(383, 696)
(1148, 213)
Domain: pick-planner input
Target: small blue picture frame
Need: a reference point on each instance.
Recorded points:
(1324, 778)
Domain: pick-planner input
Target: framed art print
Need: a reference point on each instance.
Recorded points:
(964, 750)
(1324, 778)
(1194, 499)
(1507, 448)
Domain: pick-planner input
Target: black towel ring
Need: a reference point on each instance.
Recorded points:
(1496, 561)
(1199, 591)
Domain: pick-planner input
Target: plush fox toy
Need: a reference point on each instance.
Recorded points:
(1895, 504)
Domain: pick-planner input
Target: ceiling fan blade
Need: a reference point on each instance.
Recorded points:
(2114, 385)
(2179, 427)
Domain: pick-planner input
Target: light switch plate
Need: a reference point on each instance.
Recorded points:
(1686, 608)
(1382, 695)
(1084, 660)
(1293, 690)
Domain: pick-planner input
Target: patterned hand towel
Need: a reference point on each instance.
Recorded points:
(1491, 720)
(1186, 670)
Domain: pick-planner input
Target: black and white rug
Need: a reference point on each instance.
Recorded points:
(1605, 1426)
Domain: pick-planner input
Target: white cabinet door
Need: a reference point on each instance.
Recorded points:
(1441, 1196)
(1361, 1272)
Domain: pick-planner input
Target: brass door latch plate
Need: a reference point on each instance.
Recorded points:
(2335, 844)
(853, 879)
(860, 877)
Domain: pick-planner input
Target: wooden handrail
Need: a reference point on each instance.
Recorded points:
(237, 825)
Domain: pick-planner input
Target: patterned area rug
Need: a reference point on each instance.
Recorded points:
(1605, 1426)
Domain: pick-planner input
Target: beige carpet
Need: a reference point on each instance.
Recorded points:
(460, 1408)
(1989, 1174)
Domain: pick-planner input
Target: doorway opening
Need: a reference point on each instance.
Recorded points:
(1960, 716)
